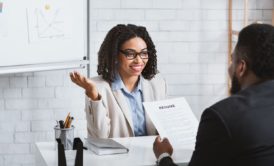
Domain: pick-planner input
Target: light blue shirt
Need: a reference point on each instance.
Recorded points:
(134, 99)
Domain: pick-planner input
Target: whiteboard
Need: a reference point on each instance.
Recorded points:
(34, 32)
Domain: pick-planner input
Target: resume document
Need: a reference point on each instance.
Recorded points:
(174, 119)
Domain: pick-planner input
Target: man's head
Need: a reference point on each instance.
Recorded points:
(253, 57)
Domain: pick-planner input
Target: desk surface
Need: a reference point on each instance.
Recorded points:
(140, 153)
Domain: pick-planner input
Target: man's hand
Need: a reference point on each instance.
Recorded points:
(162, 146)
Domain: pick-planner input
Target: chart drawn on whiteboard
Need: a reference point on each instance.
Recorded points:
(45, 23)
(3, 21)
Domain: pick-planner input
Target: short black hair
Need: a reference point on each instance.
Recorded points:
(109, 50)
(256, 46)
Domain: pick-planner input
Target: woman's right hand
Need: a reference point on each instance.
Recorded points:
(87, 84)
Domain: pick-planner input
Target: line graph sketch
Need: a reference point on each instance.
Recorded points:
(3, 21)
(45, 24)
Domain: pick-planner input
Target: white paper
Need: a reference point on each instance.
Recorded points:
(174, 119)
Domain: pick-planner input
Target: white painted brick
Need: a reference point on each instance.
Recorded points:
(170, 4)
(4, 82)
(198, 68)
(80, 124)
(7, 126)
(76, 92)
(36, 81)
(162, 58)
(174, 68)
(2, 105)
(160, 14)
(210, 47)
(104, 4)
(55, 103)
(267, 15)
(193, 14)
(33, 149)
(55, 81)
(214, 4)
(43, 125)
(21, 104)
(220, 15)
(8, 116)
(101, 14)
(175, 79)
(44, 136)
(92, 24)
(193, 4)
(24, 137)
(1, 94)
(129, 14)
(6, 137)
(1, 160)
(136, 4)
(14, 148)
(37, 115)
(13, 93)
(184, 58)
(149, 25)
(205, 26)
(190, 90)
(24, 74)
(38, 92)
(81, 133)
(220, 89)
(264, 4)
(78, 114)
(208, 58)
(217, 69)
(106, 26)
(22, 126)
(28, 159)
(255, 15)
(18, 82)
(174, 25)
(214, 79)
(172, 48)
(212, 36)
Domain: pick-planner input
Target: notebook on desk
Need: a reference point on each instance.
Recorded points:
(105, 146)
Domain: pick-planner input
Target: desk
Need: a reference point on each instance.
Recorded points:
(140, 153)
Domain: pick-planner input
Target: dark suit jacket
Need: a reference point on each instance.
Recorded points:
(237, 131)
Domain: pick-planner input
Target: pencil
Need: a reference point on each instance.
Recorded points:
(67, 120)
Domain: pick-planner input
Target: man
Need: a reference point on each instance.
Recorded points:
(239, 130)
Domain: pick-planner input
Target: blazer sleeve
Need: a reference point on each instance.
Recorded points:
(98, 121)
(212, 141)
(97, 112)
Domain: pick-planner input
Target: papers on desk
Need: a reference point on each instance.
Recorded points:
(174, 120)
(104, 146)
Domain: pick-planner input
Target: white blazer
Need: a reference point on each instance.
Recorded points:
(111, 115)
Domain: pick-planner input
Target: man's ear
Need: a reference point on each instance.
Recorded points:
(242, 68)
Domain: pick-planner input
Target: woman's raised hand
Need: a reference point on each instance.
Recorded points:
(87, 84)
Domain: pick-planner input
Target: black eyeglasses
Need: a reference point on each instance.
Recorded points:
(131, 54)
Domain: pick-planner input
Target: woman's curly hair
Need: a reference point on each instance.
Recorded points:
(256, 46)
(109, 50)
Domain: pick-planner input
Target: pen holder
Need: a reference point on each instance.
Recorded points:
(66, 135)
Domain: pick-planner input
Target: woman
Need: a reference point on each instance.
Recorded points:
(127, 76)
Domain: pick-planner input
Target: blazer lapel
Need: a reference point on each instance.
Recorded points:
(148, 95)
(124, 107)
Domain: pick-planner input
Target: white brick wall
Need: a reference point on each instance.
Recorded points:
(191, 40)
